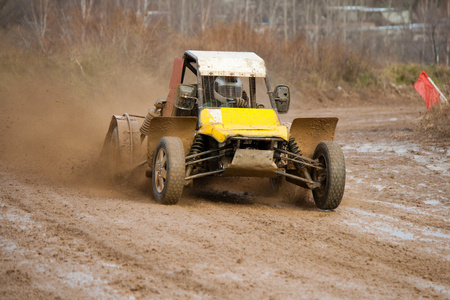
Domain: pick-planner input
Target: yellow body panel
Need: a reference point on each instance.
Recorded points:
(221, 123)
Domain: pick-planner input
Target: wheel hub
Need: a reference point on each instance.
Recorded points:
(161, 171)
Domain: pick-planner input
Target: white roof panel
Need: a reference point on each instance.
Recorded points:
(225, 63)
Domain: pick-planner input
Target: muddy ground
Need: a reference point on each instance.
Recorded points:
(67, 236)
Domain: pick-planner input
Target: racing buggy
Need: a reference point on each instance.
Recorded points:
(221, 118)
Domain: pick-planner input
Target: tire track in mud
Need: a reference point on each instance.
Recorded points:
(236, 242)
(61, 258)
(394, 188)
(69, 242)
(251, 222)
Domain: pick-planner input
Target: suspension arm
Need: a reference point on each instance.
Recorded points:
(207, 152)
(205, 174)
(204, 159)
(303, 159)
(311, 184)
(303, 163)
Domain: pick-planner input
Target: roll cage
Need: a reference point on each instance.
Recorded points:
(206, 66)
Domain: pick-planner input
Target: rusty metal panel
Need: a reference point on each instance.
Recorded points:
(309, 132)
(226, 63)
(175, 80)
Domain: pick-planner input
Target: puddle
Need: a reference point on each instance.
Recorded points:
(385, 224)
(432, 202)
(433, 160)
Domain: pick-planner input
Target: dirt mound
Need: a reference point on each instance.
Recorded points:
(435, 125)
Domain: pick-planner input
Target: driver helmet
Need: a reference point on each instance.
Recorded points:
(229, 87)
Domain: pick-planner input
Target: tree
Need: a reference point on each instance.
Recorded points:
(38, 20)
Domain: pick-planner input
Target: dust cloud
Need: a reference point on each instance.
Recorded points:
(54, 124)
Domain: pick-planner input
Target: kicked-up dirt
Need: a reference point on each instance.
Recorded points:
(233, 238)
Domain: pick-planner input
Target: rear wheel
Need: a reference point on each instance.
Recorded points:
(168, 170)
(110, 160)
(331, 177)
(114, 151)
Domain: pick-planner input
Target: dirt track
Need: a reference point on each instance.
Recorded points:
(390, 237)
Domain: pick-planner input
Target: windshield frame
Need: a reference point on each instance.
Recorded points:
(191, 63)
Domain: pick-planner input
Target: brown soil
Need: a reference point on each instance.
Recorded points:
(435, 124)
(64, 235)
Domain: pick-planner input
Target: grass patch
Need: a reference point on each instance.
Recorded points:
(408, 74)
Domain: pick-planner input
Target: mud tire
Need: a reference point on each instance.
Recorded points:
(329, 194)
(168, 170)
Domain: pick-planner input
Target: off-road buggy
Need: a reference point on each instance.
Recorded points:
(221, 118)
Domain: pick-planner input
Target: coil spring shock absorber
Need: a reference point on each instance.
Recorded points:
(293, 147)
(146, 125)
(197, 147)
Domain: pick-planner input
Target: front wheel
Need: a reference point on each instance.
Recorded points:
(331, 177)
(168, 170)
